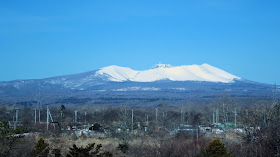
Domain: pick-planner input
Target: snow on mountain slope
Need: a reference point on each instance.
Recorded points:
(202, 72)
(117, 73)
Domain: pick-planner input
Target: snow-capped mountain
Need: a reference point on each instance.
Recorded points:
(204, 72)
(115, 82)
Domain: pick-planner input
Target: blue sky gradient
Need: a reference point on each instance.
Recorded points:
(40, 39)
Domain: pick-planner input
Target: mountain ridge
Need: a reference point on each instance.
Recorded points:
(101, 85)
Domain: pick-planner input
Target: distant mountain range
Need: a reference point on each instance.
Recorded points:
(115, 82)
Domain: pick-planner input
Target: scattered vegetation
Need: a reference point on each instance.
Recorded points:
(246, 130)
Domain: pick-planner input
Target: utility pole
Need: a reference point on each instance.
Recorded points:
(35, 118)
(85, 117)
(48, 117)
(15, 124)
(132, 120)
(76, 113)
(146, 118)
(61, 118)
(224, 120)
(217, 115)
(39, 115)
(213, 116)
(188, 117)
(39, 104)
(235, 114)
(156, 116)
(164, 115)
(125, 114)
(181, 116)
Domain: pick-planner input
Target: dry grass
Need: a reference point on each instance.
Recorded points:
(143, 145)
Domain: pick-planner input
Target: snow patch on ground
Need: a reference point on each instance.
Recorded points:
(137, 89)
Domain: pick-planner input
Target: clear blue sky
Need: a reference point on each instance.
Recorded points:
(41, 39)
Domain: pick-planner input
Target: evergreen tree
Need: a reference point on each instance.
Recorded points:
(41, 148)
(123, 148)
(7, 138)
(89, 151)
(216, 149)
